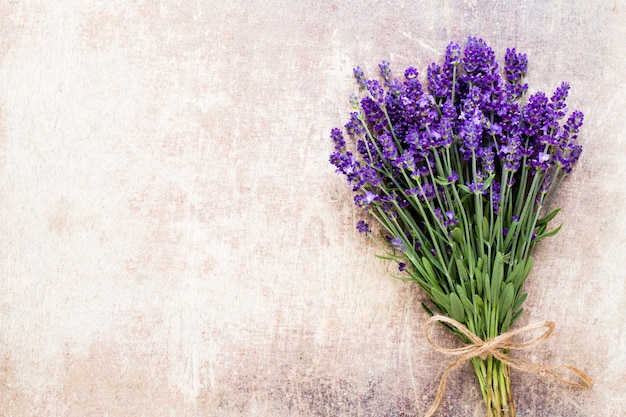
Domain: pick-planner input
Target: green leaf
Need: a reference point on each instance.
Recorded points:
(463, 289)
(418, 274)
(506, 258)
(442, 181)
(496, 276)
(519, 274)
(528, 267)
(452, 270)
(517, 315)
(410, 278)
(478, 304)
(428, 268)
(465, 197)
(539, 230)
(456, 308)
(511, 234)
(441, 300)
(506, 323)
(548, 234)
(520, 300)
(488, 181)
(467, 304)
(464, 188)
(478, 277)
(506, 298)
(428, 310)
(547, 218)
(457, 235)
(479, 263)
(440, 267)
(463, 273)
(477, 300)
(388, 257)
(517, 271)
(487, 287)
(485, 227)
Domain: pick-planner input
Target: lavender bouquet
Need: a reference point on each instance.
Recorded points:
(458, 176)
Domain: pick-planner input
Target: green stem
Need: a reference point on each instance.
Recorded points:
(495, 385)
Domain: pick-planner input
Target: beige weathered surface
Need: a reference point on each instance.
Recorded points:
(174, 241)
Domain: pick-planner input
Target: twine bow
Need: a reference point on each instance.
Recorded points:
(494, 347)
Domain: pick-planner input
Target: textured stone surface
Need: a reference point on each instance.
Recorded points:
(174, 241)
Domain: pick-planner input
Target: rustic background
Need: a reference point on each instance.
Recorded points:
(174, 242)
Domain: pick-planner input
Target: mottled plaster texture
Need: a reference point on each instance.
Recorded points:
(175, 243)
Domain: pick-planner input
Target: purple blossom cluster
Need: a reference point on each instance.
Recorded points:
(468, 129)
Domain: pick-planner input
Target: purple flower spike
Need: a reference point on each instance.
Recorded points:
(360, 76)
(480, 64)
(471, 131)
(450, 219)
(337, 137)
(389, 150)
(453, 54)
(453, 177)
(569, 151)
(373, 112)
(397, 243)
(375, 90)
(385, 72)
(346, 164)
(515, 66)
(366, 200)
(410, 73)
(558, 100)
(447, 219)
(363, 227)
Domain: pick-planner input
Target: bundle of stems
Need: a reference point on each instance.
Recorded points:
(459, 175)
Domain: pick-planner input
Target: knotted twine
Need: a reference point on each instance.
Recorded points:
(494, 347)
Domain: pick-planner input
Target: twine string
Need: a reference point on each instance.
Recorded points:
(479, 348)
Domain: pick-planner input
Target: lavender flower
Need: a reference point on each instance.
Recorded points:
(354, 126)
(385, 72)
(363, 227)
(337, 137)
(373, 113)
(447, 219)
(470, 132)
(480, 64)
(413, 129)
(439, 83)
(495, 196)
(366, 201)
(360, 77)
(516, 65)
(558, 100)
(375, 90)
(477, 184)
(389, 150)
(397, 243)
(453, 55)
(569, 150)
(486, 157)
(535, 114)
(510, 153)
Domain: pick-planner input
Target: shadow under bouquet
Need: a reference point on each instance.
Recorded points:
(459, 175)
